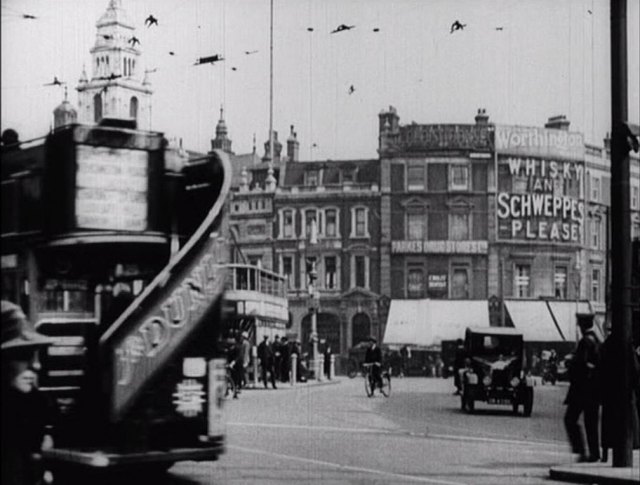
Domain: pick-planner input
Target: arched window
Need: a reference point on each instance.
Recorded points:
(133, 108)
(97, 108)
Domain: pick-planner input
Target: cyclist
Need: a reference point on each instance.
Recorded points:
(374, 356)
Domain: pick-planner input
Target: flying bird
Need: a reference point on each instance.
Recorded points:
(28, 16)
(55, 82)
(209, 59)
(133, 41)
(457, 26)
(351, 89)
(376, 29)
(499, 28)
(148, 71)
(107, 37)
(234, 68)
(342, 27)
(590, 12)
(171, 53)
(151, 20)
(309, 29)
(250, 52)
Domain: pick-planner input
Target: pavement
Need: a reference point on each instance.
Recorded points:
(298, 385)
(600, 473)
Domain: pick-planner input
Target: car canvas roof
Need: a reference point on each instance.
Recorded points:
(495, 330)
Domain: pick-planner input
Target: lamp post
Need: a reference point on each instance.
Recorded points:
(577, 280)
(312, 274)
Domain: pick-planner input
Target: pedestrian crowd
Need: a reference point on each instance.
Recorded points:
(273, 359)
(594, 383)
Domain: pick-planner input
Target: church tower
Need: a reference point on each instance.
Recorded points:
(115, 89)
(64, 114)
(221, 141)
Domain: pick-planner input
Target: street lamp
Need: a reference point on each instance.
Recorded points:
(312, 274)
(577, 280)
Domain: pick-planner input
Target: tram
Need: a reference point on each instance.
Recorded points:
(113, 244)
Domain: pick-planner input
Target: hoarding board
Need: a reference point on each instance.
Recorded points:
(111, 188)
(539, 142)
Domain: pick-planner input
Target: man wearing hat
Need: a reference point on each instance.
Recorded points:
(374, 356)
(583, 394)
(25, 412)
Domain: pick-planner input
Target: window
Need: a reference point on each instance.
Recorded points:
(415, 225)
(415, 177)
(595, 189)
(596, 227)
(311, 177)
(595, 284)
(634, 197)
(459, 177)
(560, 282)
(309, 264)
(415, 282)
(97, 107)
(286, 268)
(133, 108)
(330, 273)
(331, 218)
(359, 222)
(459, 226)
(522, 283)
(635, 230)
(360, 271)
(311, 215)
(460, 283)
(287, 223)
(255, 261)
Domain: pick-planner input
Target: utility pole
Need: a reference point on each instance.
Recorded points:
(621, 243)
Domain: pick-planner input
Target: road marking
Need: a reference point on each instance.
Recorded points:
(464, 438)
(346, 467)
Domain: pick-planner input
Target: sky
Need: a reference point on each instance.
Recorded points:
(551, 57)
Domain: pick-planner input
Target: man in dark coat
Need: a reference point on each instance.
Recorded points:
(373, 356)
(458, 364)
(583, 395)
(265, 354)
(25, 411)
(611, 360)
(277, 356)
(284, 358)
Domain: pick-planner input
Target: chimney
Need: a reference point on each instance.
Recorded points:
(293, 146)
(482, 118)
(388, 125)
(559, 122)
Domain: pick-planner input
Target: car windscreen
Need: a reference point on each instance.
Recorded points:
(482, 344)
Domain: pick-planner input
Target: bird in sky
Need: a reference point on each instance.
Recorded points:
(151, 20)
(590, 12)
(209, 59)
(171, 53)
(150, 70)
(342, 27)
(55, 82)
(309, 29)
(133, 41)
(107, 37)
(499, 28)
(376, 29)
(29, 16)
(250, 52)
(351, 89)
(457, 26)
(234, 68)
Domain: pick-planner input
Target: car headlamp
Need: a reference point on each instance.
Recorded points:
(514, 382)
(486, 380)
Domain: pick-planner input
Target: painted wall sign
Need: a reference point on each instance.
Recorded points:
(433, 137)
(541, 142)
(437, 284)
(439, 247)
(111, 188)
(541, 210)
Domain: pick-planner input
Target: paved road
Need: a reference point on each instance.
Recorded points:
(335, 434)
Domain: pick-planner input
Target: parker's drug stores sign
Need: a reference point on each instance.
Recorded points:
(540, 185)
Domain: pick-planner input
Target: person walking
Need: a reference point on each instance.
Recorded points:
(327, 361)
(25, 411)
(265, 354)
(285, 355)
(583, 395)
(245, 355)
(277, 357)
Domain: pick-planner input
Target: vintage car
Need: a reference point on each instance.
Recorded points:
(493, 370)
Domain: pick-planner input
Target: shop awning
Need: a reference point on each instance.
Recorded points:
(534, 320)
(564, 314)
(429, 322)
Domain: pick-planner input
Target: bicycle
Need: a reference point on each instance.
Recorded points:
(369, 384)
